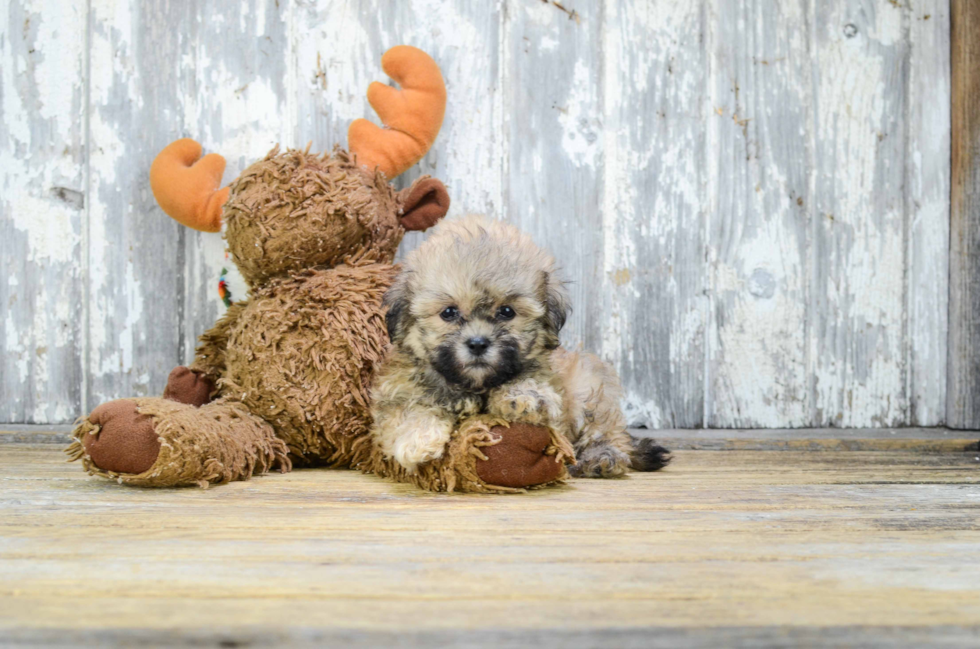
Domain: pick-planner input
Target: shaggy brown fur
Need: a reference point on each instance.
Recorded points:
(474, 317)
(291, 365)
(314, 236)
(294, 211)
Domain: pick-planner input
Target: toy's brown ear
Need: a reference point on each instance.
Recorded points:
(424, 203)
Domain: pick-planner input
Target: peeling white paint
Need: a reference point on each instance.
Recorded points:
(578, 120)
(670, 198)
(339, 95)
(548, 43)
(757, 342)
(860, 366)
(48, 226)
(928, 198)
(653, 327)
(57, 82)
(42, 183)
(15, 121)
(14, 349)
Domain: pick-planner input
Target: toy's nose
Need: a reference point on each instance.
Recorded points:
(477, 345)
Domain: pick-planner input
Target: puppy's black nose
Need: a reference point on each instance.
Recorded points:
(477, 345)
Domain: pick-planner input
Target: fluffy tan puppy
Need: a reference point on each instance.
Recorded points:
(473, 319)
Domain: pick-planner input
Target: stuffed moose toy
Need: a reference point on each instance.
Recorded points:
(282, 379)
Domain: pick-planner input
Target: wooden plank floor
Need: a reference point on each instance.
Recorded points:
(735, 548)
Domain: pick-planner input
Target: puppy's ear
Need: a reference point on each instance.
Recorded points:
(556, 304)
(396, 299)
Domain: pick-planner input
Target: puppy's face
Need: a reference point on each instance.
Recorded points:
(475, 335)
(477, 304)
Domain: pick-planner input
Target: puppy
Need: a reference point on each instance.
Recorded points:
(473, 319)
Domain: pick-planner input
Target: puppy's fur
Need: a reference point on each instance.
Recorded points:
(474, 318)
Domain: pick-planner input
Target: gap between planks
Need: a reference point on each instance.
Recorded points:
(921, 440)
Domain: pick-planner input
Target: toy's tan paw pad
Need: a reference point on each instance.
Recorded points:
(519, 459)
(126, 441)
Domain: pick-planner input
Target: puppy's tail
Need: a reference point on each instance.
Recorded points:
(647, 455)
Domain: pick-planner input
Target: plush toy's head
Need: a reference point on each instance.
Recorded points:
(296, 210)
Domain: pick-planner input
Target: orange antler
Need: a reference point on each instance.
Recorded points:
(412, 115)
(186, 187)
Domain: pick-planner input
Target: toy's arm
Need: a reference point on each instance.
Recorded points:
(209, 356)
(196, 385)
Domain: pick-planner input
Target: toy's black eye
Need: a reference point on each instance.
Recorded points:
(449, 314)
(506, 313)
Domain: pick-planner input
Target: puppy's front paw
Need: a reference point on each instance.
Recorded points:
(528, 401)
(600, 461)
(420, 443)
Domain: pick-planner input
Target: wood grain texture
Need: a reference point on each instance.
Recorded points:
(927, 184)
(42, 209)
(654, 304)
(776, 541)
(759, 198)
(858, 228)
(552, 129)
(134, 275)
(736, 637)
(963, 404)
(750, 198)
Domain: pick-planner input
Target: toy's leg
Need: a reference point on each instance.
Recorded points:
(484, 455)
(157, 442)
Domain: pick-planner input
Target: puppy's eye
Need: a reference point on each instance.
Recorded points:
(449, 314)
(506, 313)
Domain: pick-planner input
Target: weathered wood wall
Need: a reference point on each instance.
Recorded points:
(750, 196)
(963, 404)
